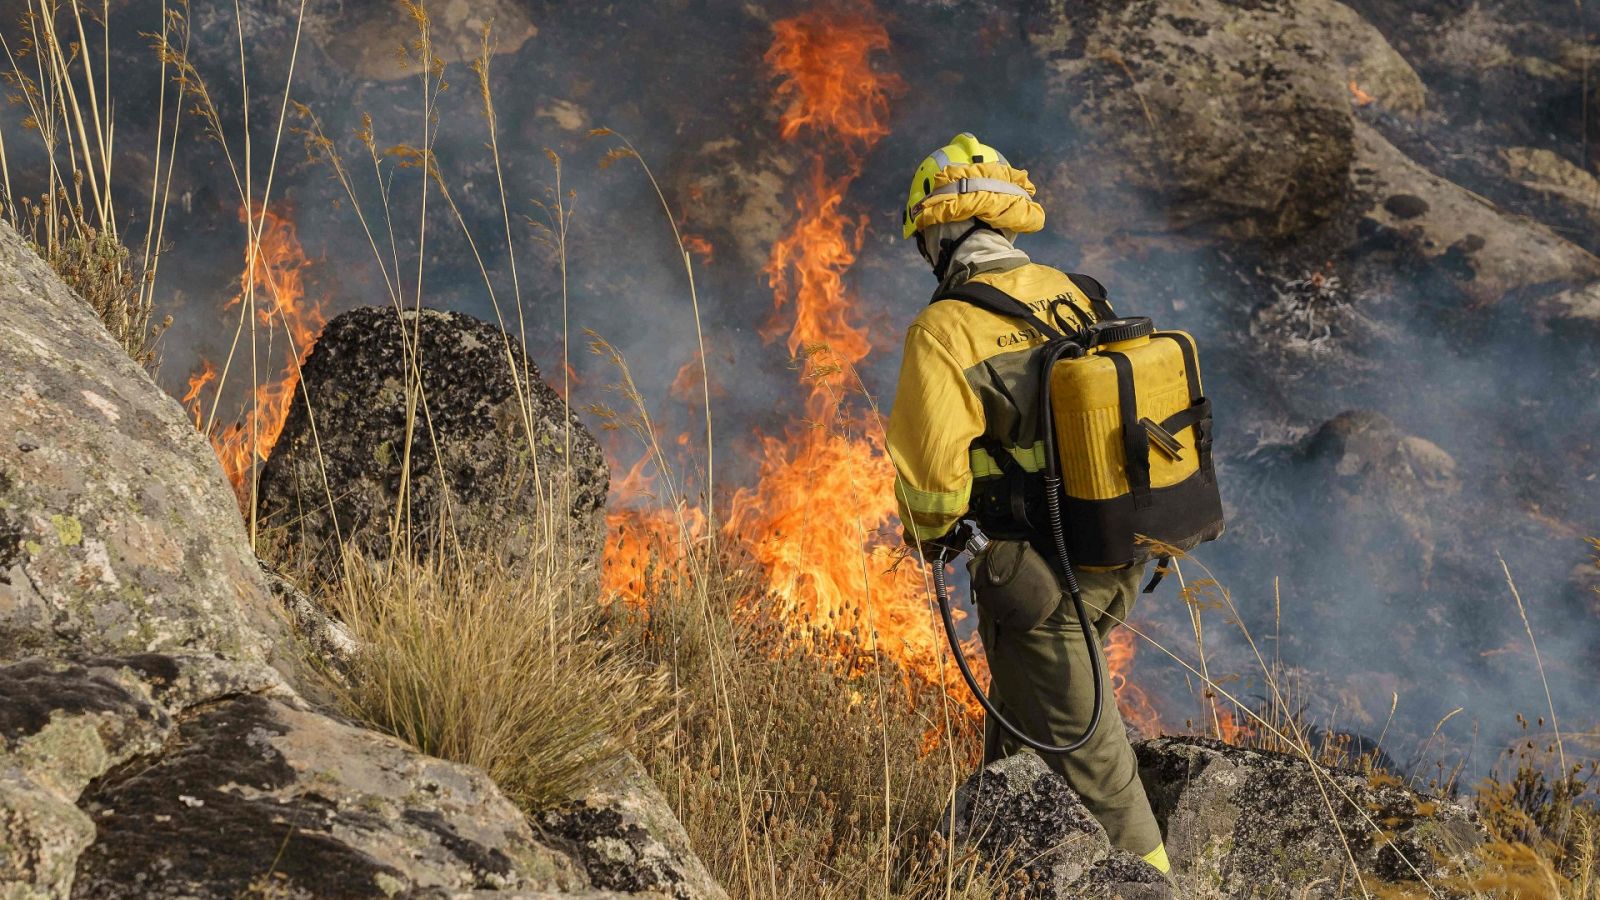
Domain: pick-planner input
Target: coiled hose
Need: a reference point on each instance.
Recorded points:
(1052, 485)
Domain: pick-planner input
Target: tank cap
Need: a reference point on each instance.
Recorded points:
(1111, 331)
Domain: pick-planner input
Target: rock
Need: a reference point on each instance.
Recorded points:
(1237, 116)
(1383, 492)
(63, 724)
(1487, 252)
(627, 838)
(1022, 817)
(1124, 876)
(481, 469)
(1363, 57)
(257, 790)
(326, 641)
(195, 776)
(740, 186)
(118, 533)
(199, 770)
(1253, 823)
(1546, 171)
(376, 40)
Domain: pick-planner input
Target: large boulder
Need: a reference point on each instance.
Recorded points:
(490, 444)
(1486, 252)
(1234, 116)
(1254, 121)
(117, 532)
(1248, 823)
(377, 41)
(176, 776)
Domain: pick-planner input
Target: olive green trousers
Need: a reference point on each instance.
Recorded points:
(1041, 683)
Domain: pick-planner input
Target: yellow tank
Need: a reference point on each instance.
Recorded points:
(1133, 438)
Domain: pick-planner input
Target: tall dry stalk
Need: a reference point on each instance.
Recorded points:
(60, 74)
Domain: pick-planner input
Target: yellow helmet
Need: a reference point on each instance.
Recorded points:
(965, 179)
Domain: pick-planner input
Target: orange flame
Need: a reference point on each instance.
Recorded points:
(1361, 97)
(822, 521)
(275, 276)
(1231, 729)
(700, 247)
(822, 518)
(1132, 701)
(829, 83)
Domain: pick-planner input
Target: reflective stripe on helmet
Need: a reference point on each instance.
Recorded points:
(969, 185)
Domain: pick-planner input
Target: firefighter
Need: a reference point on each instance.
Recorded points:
(964, 444)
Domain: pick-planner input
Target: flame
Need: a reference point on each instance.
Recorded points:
(1132, 701)
(829, 83)
(700, 247)
(691, 382)
(275, 274)
(640, 540)
(821, 520)
(1361, 97)
(1231, 729)
(197, 383)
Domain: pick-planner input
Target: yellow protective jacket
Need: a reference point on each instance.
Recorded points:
(969, 375)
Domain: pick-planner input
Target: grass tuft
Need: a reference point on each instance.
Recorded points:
(494, 661)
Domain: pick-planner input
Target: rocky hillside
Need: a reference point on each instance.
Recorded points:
(155, 733)
(188, 761)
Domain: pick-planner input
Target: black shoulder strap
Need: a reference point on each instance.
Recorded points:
(996, 301)
(1096, 292)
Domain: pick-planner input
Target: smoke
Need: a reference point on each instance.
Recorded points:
(1384, 586)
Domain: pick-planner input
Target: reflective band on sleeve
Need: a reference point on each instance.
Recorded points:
(940, 503)
(1030, 458)
(972, 185)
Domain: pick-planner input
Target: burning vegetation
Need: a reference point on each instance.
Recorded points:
(272, 298)
(785, 599)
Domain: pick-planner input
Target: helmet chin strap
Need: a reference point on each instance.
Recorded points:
(948, 247)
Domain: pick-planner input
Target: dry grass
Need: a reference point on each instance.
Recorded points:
(493, 660)
(58, 73)
(798, 771)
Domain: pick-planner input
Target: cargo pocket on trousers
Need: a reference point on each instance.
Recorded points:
(1014, 585)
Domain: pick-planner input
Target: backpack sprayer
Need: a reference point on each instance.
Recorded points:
(1108, 396)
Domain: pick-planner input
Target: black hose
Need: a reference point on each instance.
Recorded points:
(1052, 485)
(972, 681)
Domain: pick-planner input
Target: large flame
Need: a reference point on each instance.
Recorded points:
(274, 275)
(821, 521)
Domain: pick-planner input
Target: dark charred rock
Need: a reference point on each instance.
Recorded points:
(1405, 206)
(1254, 823)
(624, 834)
(1029, 823)
(1124, 876)
(503, 439)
